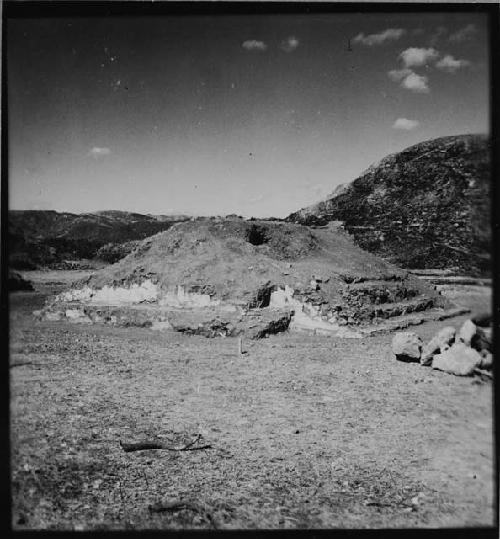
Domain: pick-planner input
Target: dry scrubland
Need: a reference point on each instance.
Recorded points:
(304, 431)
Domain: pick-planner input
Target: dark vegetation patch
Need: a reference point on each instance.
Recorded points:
(112, 252)
(46, 238)
(257, 235)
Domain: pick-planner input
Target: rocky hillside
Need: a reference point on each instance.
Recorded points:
(425, 207)
(42, 238)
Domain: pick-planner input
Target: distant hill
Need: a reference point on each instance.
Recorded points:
(427, 206)
(42, 238)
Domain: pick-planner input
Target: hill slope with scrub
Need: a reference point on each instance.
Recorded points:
(44, 238)
(427, 206)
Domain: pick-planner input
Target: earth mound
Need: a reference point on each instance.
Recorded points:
(425, 207)
(232, 269)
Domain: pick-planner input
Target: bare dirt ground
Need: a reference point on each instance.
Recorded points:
(305, 431)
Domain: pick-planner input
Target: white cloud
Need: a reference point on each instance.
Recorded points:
(410, 80)
(416, 83)
(397, 75)
(404, 123)
(450, 64)
(289, 44)
(254, 45)
(463, 34)
(415, 56)
(391, 34)
(99, 152)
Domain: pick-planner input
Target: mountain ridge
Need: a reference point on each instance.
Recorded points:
(44, 237)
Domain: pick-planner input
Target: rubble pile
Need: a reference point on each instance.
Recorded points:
(464, 353)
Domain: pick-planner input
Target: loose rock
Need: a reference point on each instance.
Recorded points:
(77, 316)
(439, 343)
(467, 332)
(481, 340)
(54, 316)
(459, 360)
(486, 360)
(407, 346)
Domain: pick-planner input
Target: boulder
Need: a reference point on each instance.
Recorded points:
(74, 313)
(486, 360)
(467, 332)
(481, 340)
(439, 343)
(77, 316)
(460, 360)
(407, 346)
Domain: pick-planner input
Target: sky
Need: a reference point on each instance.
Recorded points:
(257, 115)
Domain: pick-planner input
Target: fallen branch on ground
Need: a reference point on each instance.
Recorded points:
(376, 503)
(176, 505)
(22, 364)
(141, 446)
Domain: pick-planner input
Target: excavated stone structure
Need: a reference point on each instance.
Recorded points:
(233, 277)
